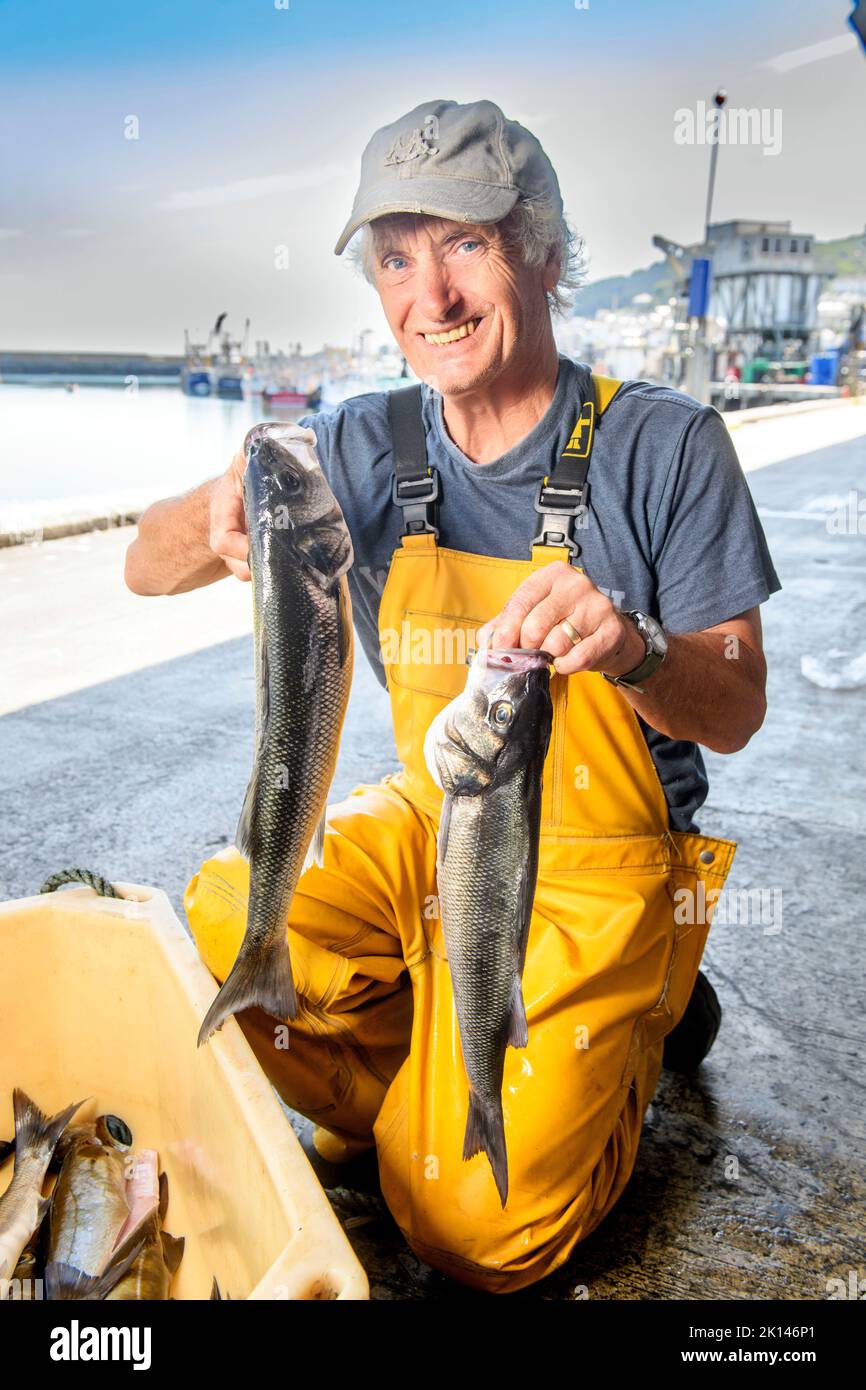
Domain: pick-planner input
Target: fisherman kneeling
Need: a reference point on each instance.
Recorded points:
(512, 496)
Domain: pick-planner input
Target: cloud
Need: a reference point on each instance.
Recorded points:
(76, 232)
(247, 190)
(815, 53)
(8, 232)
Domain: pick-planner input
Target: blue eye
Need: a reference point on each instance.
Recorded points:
(390, 262)
(468, 243)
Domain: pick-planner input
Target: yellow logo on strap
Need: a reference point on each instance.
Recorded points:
(580, 443)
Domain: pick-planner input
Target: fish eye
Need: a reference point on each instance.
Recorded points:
(119, 1131)
(292, 481)
(501, 713)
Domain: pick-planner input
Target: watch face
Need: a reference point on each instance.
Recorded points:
(651, 630)
(656, 635)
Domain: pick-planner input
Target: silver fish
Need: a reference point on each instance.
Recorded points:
(89, 1206)
(300, 552)
(486, 751)
(22, 1205)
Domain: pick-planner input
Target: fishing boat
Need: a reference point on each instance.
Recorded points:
(284, 396)
(217, 367)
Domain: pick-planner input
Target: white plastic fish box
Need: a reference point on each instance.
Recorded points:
(102, 998)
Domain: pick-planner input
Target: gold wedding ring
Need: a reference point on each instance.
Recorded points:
(571, 632)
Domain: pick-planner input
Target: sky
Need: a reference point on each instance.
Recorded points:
(251, 116)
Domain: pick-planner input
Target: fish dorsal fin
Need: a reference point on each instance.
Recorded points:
(172, 1251)
(244, 832)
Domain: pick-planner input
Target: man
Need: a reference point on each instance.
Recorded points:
(642, 575)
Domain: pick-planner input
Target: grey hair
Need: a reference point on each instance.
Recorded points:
(534, 231)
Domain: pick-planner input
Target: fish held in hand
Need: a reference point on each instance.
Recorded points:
(299, 556)
(486, 752)
(22, 1205)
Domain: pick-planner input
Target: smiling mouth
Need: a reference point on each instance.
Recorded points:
(463, 330)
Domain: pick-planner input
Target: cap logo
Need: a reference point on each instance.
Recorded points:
(415, 144)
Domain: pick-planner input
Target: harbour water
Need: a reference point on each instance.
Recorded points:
(65, 454)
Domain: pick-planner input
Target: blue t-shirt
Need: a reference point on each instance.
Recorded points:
(672, 529)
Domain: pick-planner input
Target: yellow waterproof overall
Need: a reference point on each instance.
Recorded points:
(374, 1054)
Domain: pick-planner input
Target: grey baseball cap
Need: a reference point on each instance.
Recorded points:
(467, 163)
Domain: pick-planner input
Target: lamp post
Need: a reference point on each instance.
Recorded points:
(699, 286)
(719, 99)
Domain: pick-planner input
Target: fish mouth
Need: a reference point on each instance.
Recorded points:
(518, 659)
(293, 440)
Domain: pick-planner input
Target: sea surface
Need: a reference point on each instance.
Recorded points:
(65, 454)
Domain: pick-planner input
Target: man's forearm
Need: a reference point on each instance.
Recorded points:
(709, 689)
(171, 553)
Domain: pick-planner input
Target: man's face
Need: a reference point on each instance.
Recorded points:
(463, 309)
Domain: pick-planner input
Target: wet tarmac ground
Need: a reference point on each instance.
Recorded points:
(749, 1183)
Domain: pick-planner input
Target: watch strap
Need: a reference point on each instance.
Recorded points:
(651, 662)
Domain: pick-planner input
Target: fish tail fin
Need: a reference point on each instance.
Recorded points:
(64, 1281)
(264, 981)
(485, 1131)
(518, 1030)
(34, 1130)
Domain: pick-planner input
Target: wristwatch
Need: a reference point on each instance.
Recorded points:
(656, 650)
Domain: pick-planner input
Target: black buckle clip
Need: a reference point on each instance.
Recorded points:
(417, 497)
(548, 503)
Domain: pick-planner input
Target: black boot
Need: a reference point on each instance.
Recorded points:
(360, 1174)
(687, 1045)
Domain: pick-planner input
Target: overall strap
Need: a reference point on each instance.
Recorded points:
(563, 496)
(415, 485)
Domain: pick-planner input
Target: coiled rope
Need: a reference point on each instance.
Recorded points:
(99, 884)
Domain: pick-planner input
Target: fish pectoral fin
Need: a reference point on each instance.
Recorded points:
(316, 853)
(344, 622)
(518, 1030)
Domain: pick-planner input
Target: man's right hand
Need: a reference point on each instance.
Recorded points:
(228, 523)
(186, 542)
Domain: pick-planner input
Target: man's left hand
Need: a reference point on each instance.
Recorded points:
(610, 642)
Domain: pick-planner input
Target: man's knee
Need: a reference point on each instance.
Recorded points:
(529, 1240)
